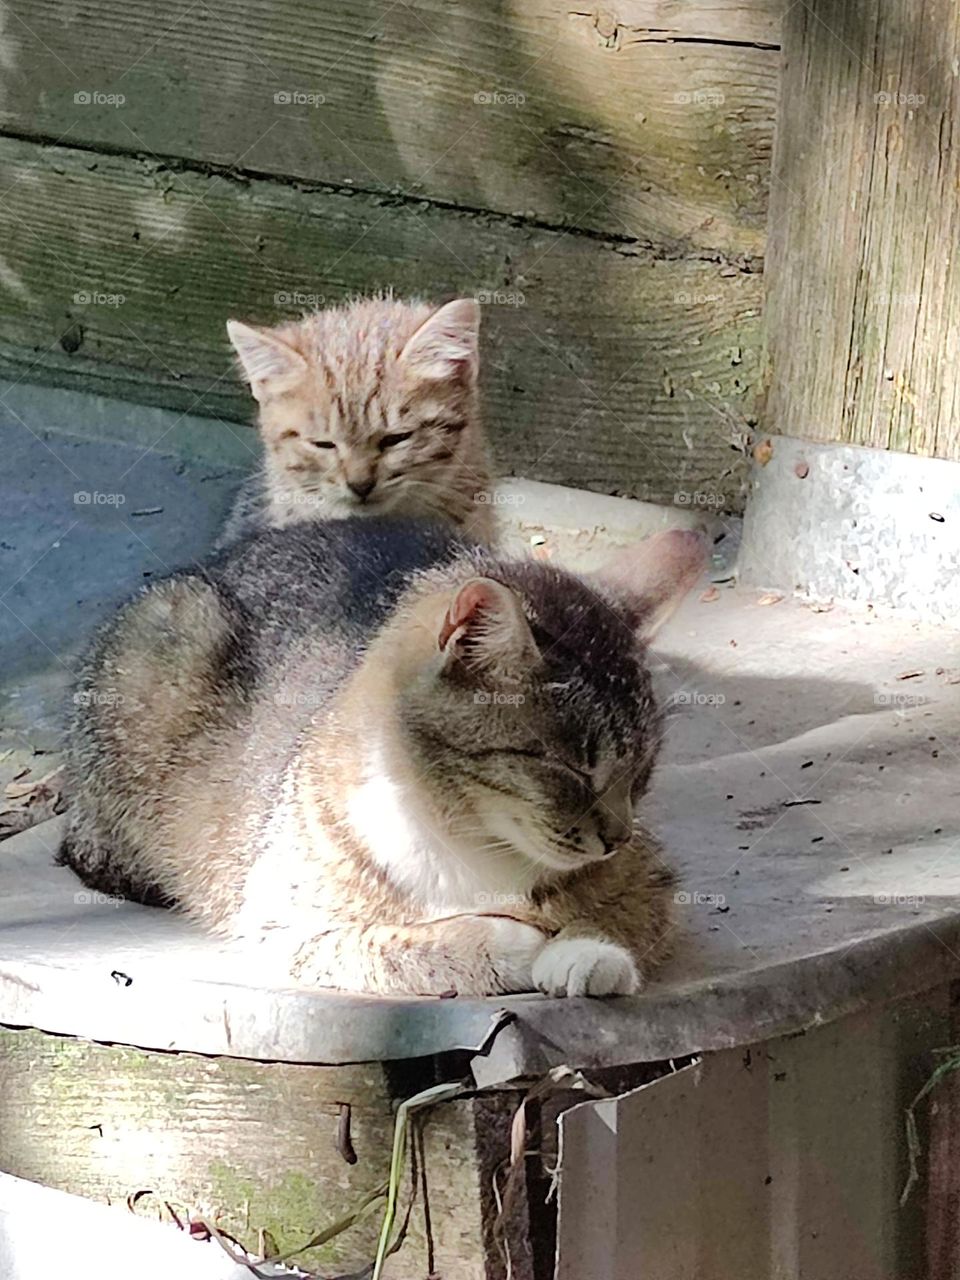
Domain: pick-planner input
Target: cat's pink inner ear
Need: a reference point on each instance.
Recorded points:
(269, 364)
(446, 345)
(486, 629)
(654, 575)
(468, 604)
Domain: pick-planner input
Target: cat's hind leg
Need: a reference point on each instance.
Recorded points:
(147, 686)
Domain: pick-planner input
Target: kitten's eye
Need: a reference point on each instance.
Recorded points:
(450, 425)
(387, 442)
(323, 444)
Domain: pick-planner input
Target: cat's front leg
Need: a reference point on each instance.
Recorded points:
(469, 955)
(574, 964)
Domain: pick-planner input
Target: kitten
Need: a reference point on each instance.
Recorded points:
(397, 762)
(367, 408)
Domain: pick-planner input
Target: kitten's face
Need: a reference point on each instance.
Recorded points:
(369, 409)
(537, 720)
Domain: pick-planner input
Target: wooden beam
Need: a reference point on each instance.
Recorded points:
(863, 277)
(614, 370)
(255, 1147)
(650, 121)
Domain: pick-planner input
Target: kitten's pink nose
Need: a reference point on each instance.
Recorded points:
(362, 488)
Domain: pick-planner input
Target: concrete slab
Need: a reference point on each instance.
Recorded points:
(809, 794)
(809, 798)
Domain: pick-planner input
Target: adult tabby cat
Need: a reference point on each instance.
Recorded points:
(388, 758)
(366, 408)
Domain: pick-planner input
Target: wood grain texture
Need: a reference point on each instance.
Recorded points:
(863, 284)
(248, 1145)
(609, 368)
(648, 121)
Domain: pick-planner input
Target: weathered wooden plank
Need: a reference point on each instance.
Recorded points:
(748, 22)
(651, 121)
(864, 290)
(616, 371)
(251, 1146)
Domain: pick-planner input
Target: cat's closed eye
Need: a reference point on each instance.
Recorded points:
(387, 442)
(450, 425)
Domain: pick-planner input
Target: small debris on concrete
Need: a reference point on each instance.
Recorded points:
(935, 515)
(710, 595)
(801, 469)
(910, 675)
(770, 597)
(147, 511)
(762, 452)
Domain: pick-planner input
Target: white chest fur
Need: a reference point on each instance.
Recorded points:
(444, 873)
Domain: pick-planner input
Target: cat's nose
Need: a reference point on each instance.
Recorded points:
(611, 846)
(362, 488)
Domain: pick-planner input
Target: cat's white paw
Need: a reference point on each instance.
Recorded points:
(585, 967)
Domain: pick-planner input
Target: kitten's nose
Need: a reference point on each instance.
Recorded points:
(362, 488)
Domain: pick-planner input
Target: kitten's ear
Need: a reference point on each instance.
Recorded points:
(269, 364)
(485, 630)
(654, 576)
(446, 346)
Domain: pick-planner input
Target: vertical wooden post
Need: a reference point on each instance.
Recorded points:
(863, 275)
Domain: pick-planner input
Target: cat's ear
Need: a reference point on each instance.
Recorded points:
(652, 577)
(446, 346)
(485, 631)
(269, 364)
